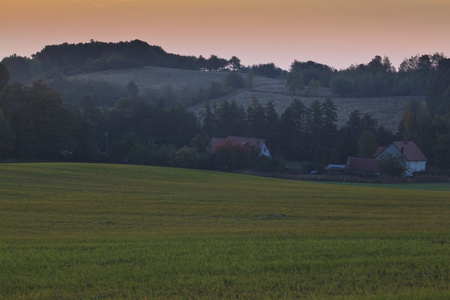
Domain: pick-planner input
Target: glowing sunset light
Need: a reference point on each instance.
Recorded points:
(338, 33)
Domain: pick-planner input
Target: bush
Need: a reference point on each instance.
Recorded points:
(266, 164)
(233, 80)
(189, 157)
(391, 165)
(232, 156)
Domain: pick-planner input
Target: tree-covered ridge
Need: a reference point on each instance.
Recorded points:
(70, 59)
(377, 78)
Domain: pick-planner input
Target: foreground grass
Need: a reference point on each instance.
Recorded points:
(112, 231)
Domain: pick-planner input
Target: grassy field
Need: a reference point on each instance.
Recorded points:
(157, 79)
(93, 231)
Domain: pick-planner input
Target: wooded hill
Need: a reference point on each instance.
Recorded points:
(412, 102)
(193, 88)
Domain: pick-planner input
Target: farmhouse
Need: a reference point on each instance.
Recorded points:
(257, 143)
(408, 150)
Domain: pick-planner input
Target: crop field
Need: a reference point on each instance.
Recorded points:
(387, 110)
(156, 78)
(93, 231)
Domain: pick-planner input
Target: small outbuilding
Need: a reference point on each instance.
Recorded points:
(363, 166)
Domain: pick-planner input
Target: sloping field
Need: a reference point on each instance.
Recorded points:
(388, 110)
(95, 231)
(155, 78)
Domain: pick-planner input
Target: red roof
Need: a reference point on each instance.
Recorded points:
(216, 141)
(410, 150)
(249, 141)
(363, 164)
(379, 150)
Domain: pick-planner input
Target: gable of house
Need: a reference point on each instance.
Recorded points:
(407, 149)
(378, 151)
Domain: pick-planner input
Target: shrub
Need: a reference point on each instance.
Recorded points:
(391, 165)
(232, 156)
(233, 80)
(266, 164)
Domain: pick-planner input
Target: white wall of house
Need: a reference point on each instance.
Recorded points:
(392, 150)
(416, 166)
(265, 150)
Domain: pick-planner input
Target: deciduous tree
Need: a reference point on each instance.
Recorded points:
(367, 144)
(4, 76)
(248, 80)
(294, 82)
(7, 138)
(235, 63)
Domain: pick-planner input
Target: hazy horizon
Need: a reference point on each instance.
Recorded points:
(339, 34)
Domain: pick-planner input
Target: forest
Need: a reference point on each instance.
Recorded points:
(38, 124)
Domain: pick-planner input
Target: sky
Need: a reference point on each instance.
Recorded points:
(338, 33)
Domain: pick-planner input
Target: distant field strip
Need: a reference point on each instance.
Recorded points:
(115, 231)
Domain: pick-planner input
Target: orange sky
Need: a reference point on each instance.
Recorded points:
(334, 32)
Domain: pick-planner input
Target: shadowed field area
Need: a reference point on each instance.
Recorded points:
(114, 231)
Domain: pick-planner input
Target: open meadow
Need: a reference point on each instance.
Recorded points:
(93, 231)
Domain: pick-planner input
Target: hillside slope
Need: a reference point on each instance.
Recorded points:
(154, 80)
(387, 110)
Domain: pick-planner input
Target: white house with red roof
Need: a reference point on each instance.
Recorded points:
(414, 157)
(257, 143)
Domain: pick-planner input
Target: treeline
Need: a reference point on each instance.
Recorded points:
(429, 125)
(378, 78)
(70, 59)
(35, 125)
(300, 133)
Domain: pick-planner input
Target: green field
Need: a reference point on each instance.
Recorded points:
(92, 231)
